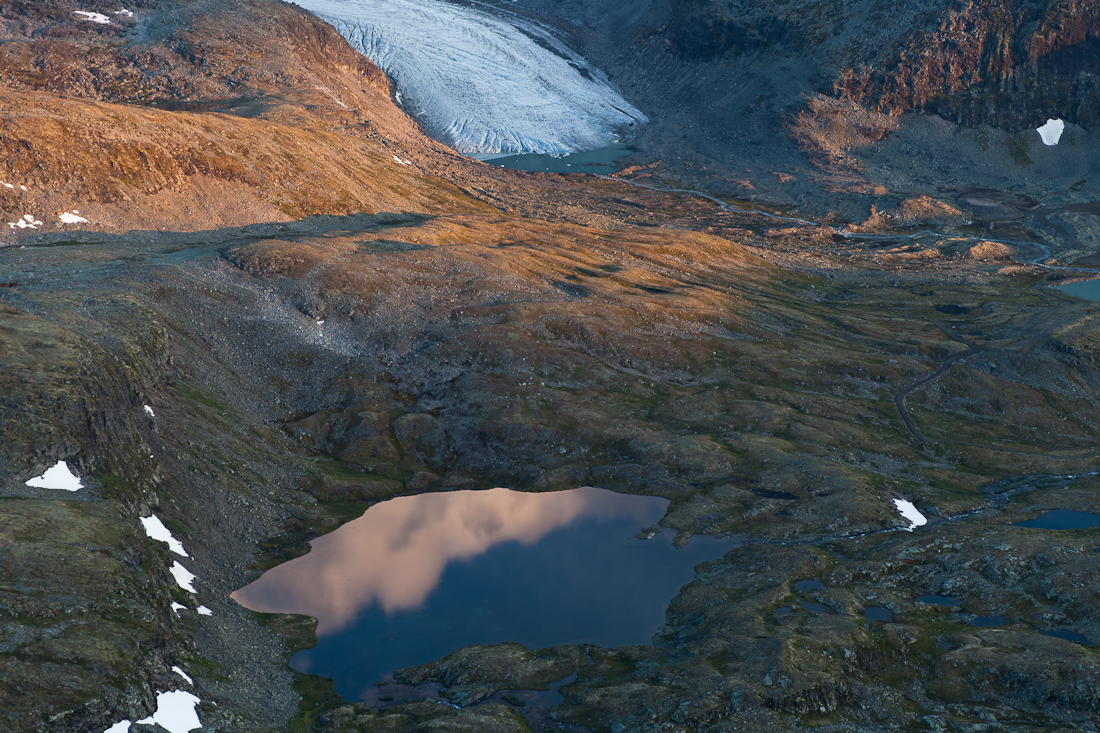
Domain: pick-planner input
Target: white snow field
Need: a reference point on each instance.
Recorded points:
(911, 513)
(93, 17)
(155, 529)
(485, 85)
(72, 217)
(27, 222)
(1051, 132)
(58, 477)
(183, 576)
(175, 712)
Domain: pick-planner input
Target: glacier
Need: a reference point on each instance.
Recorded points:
(487, 85)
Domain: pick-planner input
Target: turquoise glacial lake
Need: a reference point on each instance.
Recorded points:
(1087, 289)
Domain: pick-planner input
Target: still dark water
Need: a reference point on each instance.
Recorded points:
(416, 578)
(599, 162)
(1063, 519)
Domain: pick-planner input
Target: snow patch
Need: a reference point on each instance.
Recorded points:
(125, 13)
(175, 712)
(177, 607)
(151, 413)
(1051, 132)
(402, 162)
(156, 529)
(93, 17)
(916, 519)
(184, 675)
(9, 185)
(27, 222)
(59, 477)
(183, 577)
(486, 85)
(73, 217)
(204, 611)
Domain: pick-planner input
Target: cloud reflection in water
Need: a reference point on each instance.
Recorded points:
(395, 554)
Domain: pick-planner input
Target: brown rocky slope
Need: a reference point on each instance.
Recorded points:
(465, 346)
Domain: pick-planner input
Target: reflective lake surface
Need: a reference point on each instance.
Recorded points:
(1087, 289)
(416, 578)
(1063, 519)
(878, 613)
(600, 162)
(1068, 636)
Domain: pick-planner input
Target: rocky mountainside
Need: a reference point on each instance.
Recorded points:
(289, 304)
(730, 88)
(202, 114)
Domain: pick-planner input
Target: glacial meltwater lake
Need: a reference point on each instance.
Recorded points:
(1087, 289)
(418, 577)
(599, 162)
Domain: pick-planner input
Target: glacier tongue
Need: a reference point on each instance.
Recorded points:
(483, 85)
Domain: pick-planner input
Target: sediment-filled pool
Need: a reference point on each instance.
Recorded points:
(417, 577)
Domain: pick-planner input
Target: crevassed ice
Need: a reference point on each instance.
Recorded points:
(155, 528)
(1051, 132)
(484, 85)
(911, 513)
(59, 477)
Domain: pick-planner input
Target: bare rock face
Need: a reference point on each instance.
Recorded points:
(1008, 63)
(739, 92)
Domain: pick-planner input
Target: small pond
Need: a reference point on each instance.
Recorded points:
(418, 577)
(1068, 636)
(878, 613)
(987, 621)
(1087, 289)
(1063, 519)
(599, 162)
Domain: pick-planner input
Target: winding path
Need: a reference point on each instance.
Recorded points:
(899, 398)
